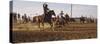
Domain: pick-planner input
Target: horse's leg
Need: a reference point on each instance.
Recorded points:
(38, 24)
(83, 22)
(51, 24)
(67, 21)
(60, 22)
(64, 23)
(43, 24)
(23, 21)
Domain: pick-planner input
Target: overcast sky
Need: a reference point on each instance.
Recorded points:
(36, 8)
(84, 10)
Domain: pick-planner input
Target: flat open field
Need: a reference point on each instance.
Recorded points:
(31, 33)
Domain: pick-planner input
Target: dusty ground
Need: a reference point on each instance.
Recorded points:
(31, 33)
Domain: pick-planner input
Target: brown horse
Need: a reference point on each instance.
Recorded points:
(41, 19)
(67, 18)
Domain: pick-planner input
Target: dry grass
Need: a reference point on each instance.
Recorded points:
(31, 33)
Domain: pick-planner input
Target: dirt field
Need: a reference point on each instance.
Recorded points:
(31, 33)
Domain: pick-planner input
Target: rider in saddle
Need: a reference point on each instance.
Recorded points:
(45, 8)
(61, 17)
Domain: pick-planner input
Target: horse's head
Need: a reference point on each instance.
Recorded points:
(52, 12)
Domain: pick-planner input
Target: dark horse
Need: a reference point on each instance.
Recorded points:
(82, 19)
(67, 18)
(46, 18)
(24, 18)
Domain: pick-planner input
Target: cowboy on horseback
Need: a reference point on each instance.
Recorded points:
(61, 18)
(45, 8)
(46, 16)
